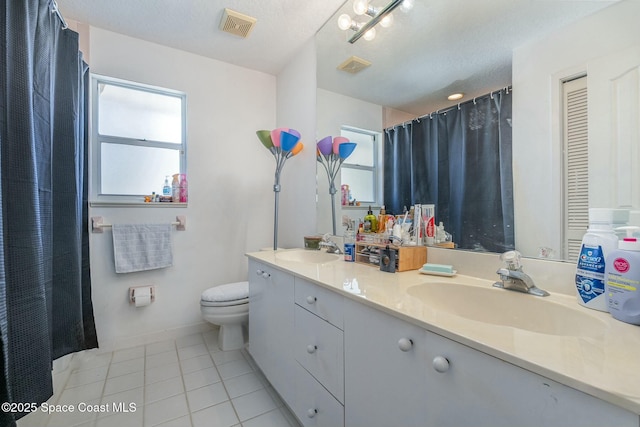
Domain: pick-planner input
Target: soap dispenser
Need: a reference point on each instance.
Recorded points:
(372, 220)
(622, 278)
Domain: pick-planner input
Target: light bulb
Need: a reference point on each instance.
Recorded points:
(370, 35)
(387, 21)
(406, 5)
(360, 7)
(344, 21)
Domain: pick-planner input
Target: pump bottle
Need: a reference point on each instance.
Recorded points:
(371, 219)
(622, 278)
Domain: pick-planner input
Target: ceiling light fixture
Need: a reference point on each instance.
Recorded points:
(455, 96)
(380, 16)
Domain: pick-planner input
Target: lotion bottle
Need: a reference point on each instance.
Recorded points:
(622, 279)
(175, 188)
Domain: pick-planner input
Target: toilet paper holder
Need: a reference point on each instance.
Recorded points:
(132, 293)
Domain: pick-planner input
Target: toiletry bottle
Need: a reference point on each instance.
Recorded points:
(175, 188)
(350, 243)
(372, 220)
(597, 243)
(184, 188)
(622, 279)
(166, 189)
(382, 220)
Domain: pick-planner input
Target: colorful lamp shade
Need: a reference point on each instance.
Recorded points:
(331, 152)
(345, 149)
(283, 143)
(288, 140)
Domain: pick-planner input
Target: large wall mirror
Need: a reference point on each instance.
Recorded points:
(536, 47)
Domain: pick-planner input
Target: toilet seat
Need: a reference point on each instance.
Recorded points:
(226, 295)
(224, 303)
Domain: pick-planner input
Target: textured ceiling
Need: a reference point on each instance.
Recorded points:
(441, 46)
(282, 28)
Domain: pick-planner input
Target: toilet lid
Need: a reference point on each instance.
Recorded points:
(227, 292)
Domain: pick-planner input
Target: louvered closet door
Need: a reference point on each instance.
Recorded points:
(576, 182)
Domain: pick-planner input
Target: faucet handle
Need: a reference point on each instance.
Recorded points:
(512, 259)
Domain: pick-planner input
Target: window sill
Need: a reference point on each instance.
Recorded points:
(105, 204)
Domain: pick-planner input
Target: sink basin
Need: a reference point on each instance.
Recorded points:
(508, 308)
(304, 255)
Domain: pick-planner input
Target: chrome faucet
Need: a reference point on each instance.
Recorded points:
(331, 246)
(513, 278)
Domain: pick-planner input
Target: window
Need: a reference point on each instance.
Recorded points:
(138, 138)
(360, 170)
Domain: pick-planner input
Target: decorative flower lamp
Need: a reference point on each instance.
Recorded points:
(331, 154)
(282, 143)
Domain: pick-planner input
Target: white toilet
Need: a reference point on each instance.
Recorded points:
(228, 307)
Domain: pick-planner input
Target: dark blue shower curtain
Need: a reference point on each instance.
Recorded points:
(45, 289)
(459, 160)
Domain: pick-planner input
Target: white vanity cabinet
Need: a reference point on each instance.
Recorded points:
(271, 325)
(471, 388)
(319, 353)
(399, 374)
(385, 369)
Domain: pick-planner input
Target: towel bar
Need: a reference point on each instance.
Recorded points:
(97, 223)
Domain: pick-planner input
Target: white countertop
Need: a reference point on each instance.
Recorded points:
(605, 365)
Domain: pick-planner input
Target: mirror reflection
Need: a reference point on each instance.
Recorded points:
(441, 47)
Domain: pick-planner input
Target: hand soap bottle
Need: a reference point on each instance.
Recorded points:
(371, 219)
(622, 279)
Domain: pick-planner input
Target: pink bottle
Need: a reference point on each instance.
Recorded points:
(184, 188)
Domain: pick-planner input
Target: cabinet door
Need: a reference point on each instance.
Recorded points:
(319, 349)
(476, 389)
(385, 378)
(271, 325)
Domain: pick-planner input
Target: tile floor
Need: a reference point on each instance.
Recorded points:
(182, 383)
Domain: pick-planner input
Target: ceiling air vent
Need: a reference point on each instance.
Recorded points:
(237, 23)
(354, 65)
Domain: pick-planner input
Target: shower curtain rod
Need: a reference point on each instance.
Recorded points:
(445, 110)
(54, 9)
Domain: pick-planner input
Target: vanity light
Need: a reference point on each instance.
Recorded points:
(380, 16)
(455, 96)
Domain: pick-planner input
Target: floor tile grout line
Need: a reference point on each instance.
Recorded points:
(235, 411)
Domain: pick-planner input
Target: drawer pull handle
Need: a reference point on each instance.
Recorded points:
(311, 348)
(405, 344)
(312, 413)
(311, 300)
(440, 364)
(263, 274)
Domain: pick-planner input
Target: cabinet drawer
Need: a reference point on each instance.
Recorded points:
(320, 301)
(319, 348)
(313, 405)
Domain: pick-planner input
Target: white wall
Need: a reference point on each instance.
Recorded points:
(537, 71)
(296, 108)
(334, 111)
(230, 174)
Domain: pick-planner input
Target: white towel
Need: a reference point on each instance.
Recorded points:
(139, 247)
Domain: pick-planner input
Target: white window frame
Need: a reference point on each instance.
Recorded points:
(96, 196)
(376, 168)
